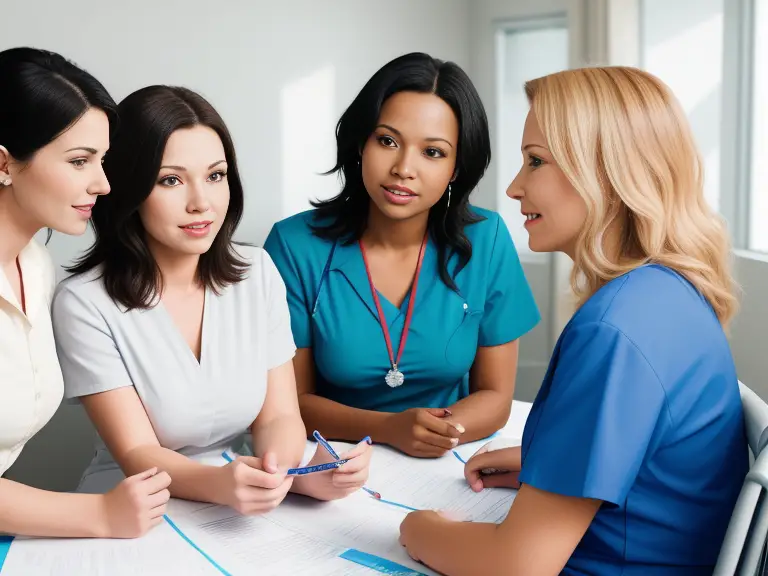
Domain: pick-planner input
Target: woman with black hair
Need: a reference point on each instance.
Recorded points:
(176, 340)
(54, 131)
(406, 302)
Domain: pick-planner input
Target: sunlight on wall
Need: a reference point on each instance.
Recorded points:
(308, 120)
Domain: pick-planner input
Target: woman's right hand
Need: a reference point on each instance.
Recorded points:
(506, 462)
(136, 504)
(253, 485)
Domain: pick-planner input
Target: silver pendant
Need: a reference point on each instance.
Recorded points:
(394, 378)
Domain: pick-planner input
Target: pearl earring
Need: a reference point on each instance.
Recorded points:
(6, 182)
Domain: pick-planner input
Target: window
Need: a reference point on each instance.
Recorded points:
(525, 50)
(682, 44)
(758, 193)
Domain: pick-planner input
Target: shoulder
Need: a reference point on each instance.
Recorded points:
(647, 291)
(293, 243)
(81, 289)
(487, 225)
(297, 227)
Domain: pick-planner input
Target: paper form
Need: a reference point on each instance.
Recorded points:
(435, 484)
(160, 552)
(300, 536)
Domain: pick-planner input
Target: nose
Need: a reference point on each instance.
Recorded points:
(515, 189)
(100, 185)
(197, 200)
(405, 165)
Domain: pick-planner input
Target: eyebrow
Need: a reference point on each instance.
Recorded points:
(397, 132)
(535, 146)
(182, 169)
(84, 148)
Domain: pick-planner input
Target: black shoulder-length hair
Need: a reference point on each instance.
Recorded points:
(345, 216)
(148, 118)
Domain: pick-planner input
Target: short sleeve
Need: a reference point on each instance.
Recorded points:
(602, 409)
(280, 345)
(510, 309)
(282, 257)
(89, 358)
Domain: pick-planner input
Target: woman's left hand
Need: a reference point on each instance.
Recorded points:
(340, 482)
(414, 530)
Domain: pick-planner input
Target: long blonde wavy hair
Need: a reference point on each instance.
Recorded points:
(622, 139)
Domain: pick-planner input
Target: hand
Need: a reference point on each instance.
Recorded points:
(423, 432)
(415, 529)
(507, 461)
(338, 483)
(136, 504)
(253, 485)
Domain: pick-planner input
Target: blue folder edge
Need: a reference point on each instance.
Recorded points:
(377, 563)
(5, 545)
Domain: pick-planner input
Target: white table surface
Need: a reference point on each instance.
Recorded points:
(30, 557)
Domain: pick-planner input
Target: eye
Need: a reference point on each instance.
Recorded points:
(217, 176)
(434, 153)
(387, 141)
(534, 161)
(170, 181)
(78, 162)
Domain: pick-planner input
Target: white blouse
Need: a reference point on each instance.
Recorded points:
(31, 385)
(196, 408)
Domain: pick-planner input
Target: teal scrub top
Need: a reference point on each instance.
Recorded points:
(333, 312)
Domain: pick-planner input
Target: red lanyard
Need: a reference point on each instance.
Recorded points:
(21, 287)
(394, 377)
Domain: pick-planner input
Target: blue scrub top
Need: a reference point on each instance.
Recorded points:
(640, 408)
(333, 312)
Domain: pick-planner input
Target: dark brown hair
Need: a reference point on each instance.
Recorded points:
(148, 118)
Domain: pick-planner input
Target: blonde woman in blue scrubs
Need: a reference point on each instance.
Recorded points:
(634, 451)
(176, 340)
(406, 302)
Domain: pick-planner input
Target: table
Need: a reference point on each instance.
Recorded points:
(355, 536)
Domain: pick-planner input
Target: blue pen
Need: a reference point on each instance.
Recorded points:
(301, 471)
(315, 468)
(324, 443)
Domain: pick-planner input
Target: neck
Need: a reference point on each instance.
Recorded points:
(179, 271)
(15, 226)
(394, 234)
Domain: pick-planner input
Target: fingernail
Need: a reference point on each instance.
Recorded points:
(460, 428)
(368, 440)
(454, 441)
(447, 412)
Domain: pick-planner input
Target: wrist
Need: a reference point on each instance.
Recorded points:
(381, 432)
(97, 521)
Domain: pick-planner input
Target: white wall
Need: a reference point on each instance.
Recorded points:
(280, 74)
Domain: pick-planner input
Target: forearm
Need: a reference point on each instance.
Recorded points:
(27, 511)
(283, 435)
(190, 480)
(481, 414)
(339, 422)
(461, 548)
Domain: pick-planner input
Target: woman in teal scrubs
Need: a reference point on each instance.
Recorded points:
(634, 452)
(406, 302)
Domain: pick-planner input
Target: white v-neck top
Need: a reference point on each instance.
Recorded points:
(30, 379)
(195, 408)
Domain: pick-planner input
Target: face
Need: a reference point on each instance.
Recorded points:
(187, 206)
(60, 184)
(555, 212)
(410, 158)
